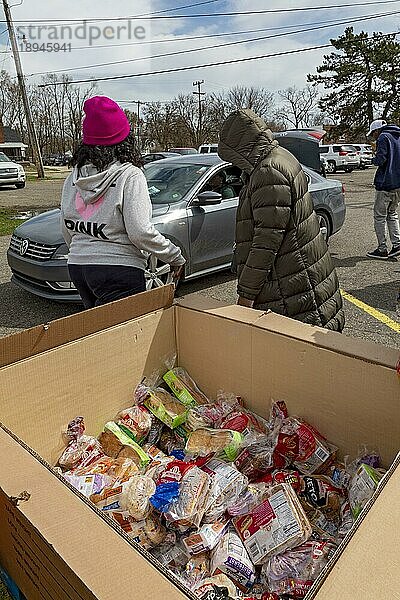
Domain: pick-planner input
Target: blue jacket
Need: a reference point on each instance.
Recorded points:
(387, 159)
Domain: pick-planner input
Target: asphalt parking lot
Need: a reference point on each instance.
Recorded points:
(371, 286)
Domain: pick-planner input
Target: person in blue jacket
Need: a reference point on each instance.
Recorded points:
(387, 186)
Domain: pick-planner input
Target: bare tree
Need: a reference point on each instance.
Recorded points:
(299, 106)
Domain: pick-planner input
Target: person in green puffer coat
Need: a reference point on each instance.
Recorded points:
(282, 258)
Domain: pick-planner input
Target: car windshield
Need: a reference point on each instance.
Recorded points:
(169, 183)
(4, 158)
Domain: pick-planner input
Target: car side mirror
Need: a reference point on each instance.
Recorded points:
(208, 198)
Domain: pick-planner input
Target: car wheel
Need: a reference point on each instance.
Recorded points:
(157, 274)
(331, 167)
(325, 225)
(19, 186)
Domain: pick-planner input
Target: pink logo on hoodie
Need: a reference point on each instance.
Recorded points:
(87, 210)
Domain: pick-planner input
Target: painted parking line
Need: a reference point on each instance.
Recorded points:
(395, 326)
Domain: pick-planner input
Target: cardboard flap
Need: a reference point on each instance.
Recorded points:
(46, 540)
(61, 331)
(369, 568)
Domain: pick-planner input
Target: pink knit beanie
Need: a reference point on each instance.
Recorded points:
(105, 123)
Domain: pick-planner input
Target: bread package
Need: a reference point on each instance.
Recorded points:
(184, 388)
(274, 525)
(165, 407)
(116, 444)
(222, 442)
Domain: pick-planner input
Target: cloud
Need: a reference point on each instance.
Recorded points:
(273, 73)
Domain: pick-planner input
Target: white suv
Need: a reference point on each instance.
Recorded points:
(340, 157)
(366, 154)
(11, 173)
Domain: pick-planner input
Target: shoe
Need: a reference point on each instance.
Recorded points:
(395, 251)
(380, 254)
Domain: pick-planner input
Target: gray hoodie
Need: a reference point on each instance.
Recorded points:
(106, 219)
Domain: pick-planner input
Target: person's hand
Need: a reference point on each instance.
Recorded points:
(177, 273)
(244, 302)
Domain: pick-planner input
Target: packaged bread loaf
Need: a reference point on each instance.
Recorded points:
(188, 508)
(166, 408)
(184, 388)
(116, 443)
(274, 525)
(136, 422)
(222, 442)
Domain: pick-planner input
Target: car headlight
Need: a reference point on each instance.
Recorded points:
(61, 253)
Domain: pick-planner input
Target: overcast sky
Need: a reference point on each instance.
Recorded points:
(272, 73)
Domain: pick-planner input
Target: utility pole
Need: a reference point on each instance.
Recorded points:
(199, 93)
(139, 104)
(37, 155)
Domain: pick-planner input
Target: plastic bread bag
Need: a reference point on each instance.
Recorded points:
(230, 557)
(260, 458)
(184, 388)
(188, 509)
(362, 487)
(217, 587)
(80, 452)
(294, 571)
(136, 422)
(88, 484)
(277, 524)
(149, 533)
(319, 492)
(206, 538)
(117, 469)
(197, 569)
(165, 407)
(74, 430)
(215, 412)
(303, 445)
(172, 556)
(249, 498)
(136, 496)
(222, 442)
(227, 483)
(117, 444)
(293, 478)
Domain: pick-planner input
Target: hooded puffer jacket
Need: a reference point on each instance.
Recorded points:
(282, 258)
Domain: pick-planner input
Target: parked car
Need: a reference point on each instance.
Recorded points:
(208, 149)
(186, 209)
(11, 173)
(148, 158)
(365, 153)
(56, 160)
(183, 151)
(340, 157)
(304, 144)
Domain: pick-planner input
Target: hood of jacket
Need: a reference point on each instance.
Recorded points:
(392, 129)
(92, 183)
(245, 139)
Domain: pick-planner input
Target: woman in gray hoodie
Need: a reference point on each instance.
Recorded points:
(106, 211)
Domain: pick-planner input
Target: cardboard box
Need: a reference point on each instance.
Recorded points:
(56, 545)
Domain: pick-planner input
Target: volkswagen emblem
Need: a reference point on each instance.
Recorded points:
(24, 247)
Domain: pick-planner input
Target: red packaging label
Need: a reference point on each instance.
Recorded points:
(174, 471)
(260, 518)
(236, 422)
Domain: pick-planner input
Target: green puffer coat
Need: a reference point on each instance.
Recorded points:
(283, 261)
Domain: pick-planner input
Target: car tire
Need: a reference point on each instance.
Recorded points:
(325, 225)
(331, 167)
(20, 186)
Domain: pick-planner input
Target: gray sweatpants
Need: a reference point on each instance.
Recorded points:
(385, 213)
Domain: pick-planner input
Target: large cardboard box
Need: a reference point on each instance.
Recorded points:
(57, 546)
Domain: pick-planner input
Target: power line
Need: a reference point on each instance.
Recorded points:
(190, 50)
(201, 37)
(157, 12)
(202, 66)
(211, 15)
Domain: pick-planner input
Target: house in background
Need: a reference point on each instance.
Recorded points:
(11, 143)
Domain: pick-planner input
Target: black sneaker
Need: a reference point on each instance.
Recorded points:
(395, 251)
(380, 254)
